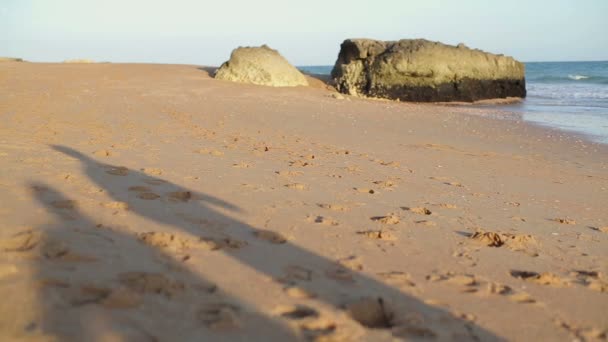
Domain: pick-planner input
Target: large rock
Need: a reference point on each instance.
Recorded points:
(425, 71)
(260, 65)
(10, 59)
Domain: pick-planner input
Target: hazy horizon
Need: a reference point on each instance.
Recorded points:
(191, 32)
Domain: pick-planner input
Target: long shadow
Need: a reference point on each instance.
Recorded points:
(97, 283)
(368, 301)
(209, 70)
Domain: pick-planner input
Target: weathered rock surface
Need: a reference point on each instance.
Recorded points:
(425, 71)
(262, 66)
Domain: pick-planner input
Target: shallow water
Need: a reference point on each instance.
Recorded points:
(571, 96)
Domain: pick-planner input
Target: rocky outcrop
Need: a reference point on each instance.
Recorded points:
(262, 66)
(10, 59)
(424, 71)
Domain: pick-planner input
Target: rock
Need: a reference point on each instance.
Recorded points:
(425, 71)
(11, 59)
(262, 66)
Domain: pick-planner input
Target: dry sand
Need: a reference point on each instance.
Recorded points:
(153, 203)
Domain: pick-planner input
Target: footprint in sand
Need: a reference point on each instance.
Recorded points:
(469, 283)
(117, 170)
(300, 163)
(418, 210)
(446, 205)
(296, 312)
(327, 221)
(515, 242)
(122, 298)
(182, 243)
(564, 220)
(352, 262)
(308, 320)
(116, 205)
(600, 229)
(295, 273)
(220, 316)
(460, 279)
(391, 163)
(388, 219)
(85, 294)
(139, 188)
(180, 196)
(389, 184)
(151, 283)
(397, 278)
(296, 186)
(320, 329)
(165, 240)
(152, 171)
(334, 207)
(592, 279)
(155, 181)
(582, 333)
(144, 193)
(270, 236)
(426, 223)
(241, 165)
(545, 278)
(148, 196)
(289, 173)
(340, 274)
(299, 292)
(21, 242)
(378, 235)
(119, 298)
(498, 289)
(64, 204)
(225, 243)
(370, 312)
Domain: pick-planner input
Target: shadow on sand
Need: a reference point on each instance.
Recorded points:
(314, 80)
(181, 304)
(209, 70)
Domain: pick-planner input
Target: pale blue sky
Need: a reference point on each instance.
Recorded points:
(307, 32)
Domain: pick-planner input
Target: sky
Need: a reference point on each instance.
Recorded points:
(306, 32)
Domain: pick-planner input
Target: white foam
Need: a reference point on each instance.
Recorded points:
(578, 77)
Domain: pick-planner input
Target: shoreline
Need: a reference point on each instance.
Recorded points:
(152, 196)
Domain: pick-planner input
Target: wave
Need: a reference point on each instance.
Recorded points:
(573, 78)
(578, 77)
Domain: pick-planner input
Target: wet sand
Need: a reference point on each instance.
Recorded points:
(151, 202)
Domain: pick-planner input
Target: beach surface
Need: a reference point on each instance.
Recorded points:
(149, 202)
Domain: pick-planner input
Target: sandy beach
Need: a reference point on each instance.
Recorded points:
(149, 202)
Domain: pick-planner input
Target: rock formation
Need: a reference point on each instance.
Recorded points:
(10, 59)
(262, 66)
(424, 71)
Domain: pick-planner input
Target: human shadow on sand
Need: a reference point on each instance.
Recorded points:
(369, 302)
(100, 283)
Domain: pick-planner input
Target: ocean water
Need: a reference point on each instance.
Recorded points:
(570, 96)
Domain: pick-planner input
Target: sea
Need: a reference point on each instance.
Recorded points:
(569, 96)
